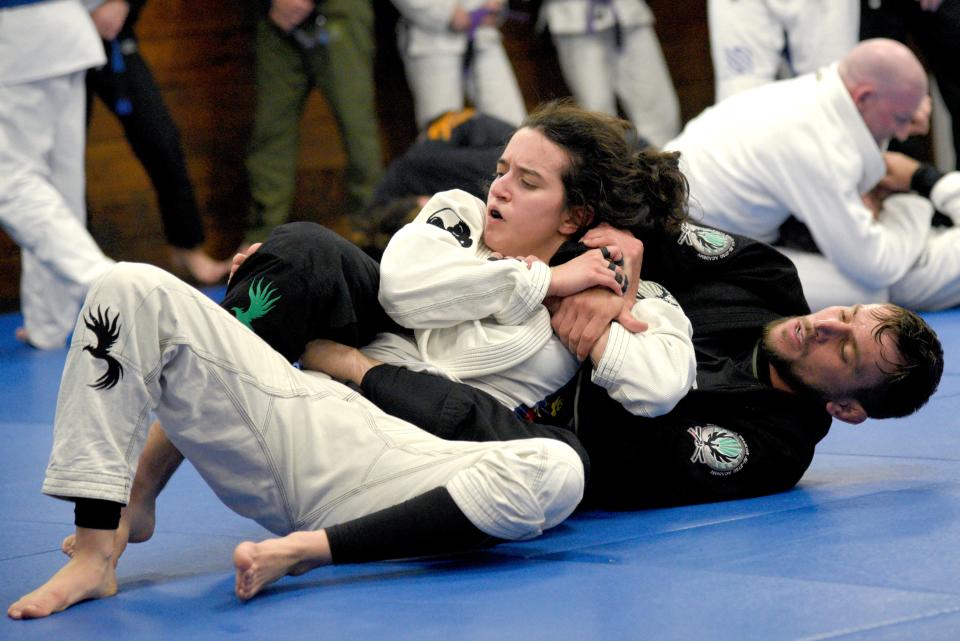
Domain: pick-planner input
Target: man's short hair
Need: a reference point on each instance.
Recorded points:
(910, 382)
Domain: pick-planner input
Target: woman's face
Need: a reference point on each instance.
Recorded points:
(526, 214)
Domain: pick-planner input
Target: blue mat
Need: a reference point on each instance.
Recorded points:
(862, 549)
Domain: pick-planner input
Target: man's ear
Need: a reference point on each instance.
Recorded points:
(574, 219)
(862, 94)
(847, 410)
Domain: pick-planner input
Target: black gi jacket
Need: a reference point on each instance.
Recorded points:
(732, 437)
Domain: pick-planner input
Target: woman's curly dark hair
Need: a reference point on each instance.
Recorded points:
(609, 175)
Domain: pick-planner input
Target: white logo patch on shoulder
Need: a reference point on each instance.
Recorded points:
(449, 220)
(722, 450)
(651, 289)
(710, 244)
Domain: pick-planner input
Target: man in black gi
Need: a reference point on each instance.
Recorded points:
(738, 434)
(750, 426)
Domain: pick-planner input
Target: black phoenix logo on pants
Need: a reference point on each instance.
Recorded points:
(107, 332)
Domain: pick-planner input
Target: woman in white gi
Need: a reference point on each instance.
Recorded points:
(302, 455)
(608, 51)
(484, 321)
(451, 49)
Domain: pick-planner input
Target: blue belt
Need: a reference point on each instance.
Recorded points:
(8, 4)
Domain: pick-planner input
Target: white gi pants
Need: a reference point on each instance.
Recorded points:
(598, 72)
(438, 84)
(288, 449)
(933, 283)
(748, 36)
(42, 142)
(825, 286)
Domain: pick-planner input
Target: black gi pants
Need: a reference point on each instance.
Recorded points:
(326, 287)
(154, 138)
(322, 285)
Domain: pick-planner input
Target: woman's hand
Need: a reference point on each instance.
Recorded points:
(603, 235)
(595, 268)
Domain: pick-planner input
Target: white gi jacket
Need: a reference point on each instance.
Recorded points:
(801, 147)
(46, 40)
(482, 321)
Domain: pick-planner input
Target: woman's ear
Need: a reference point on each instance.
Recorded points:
(574, 219)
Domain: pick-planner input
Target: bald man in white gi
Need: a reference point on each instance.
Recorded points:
(812, 147)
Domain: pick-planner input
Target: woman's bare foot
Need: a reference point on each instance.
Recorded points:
(89, 574)
(201, 267)
(260, 564)
(338, 361)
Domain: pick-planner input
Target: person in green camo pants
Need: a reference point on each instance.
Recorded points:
(301, 45)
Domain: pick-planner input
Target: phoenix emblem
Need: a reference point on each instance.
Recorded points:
(262, 300)
(107, 331)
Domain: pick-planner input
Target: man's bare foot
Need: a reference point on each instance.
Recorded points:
(339, 361)
(137, 522)
(89, 574)
(260, 564)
